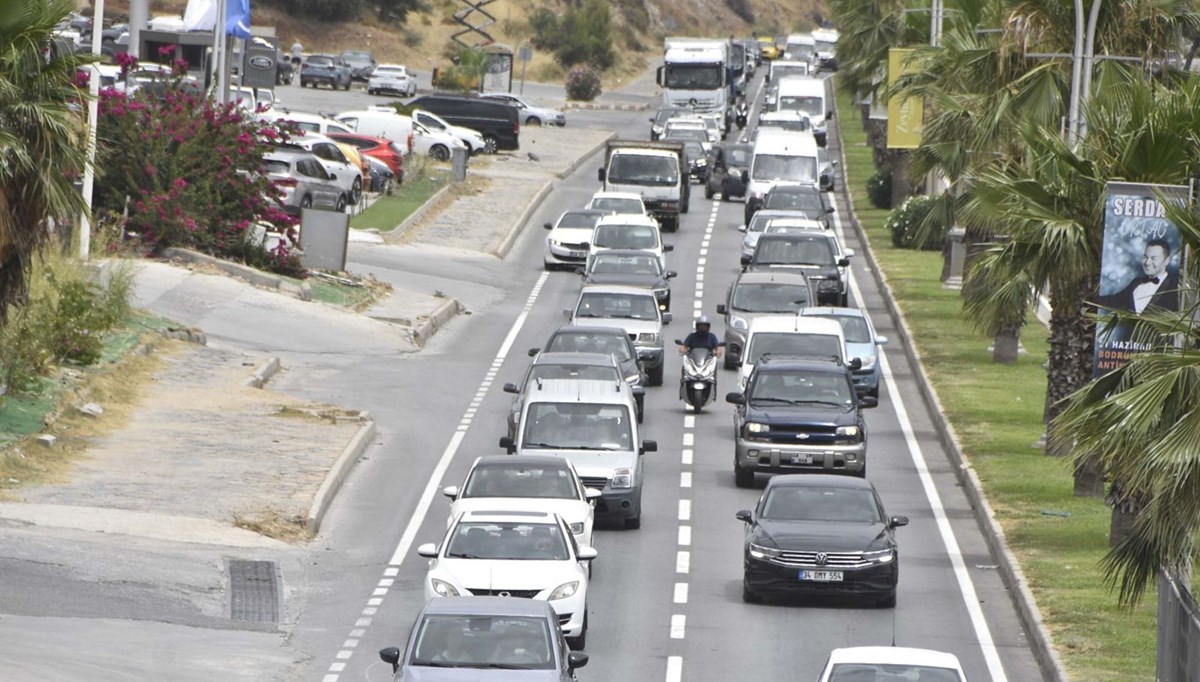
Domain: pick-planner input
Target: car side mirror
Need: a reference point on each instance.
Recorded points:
(855, 364)
(829, 210)
(745, 515)
(637, 391)
(829, 114)
(548, 226)
(842, 263)
(881, 340)
(671, 274)
(648, 446)
(666, 318)
(451, 491)
(746, 260)
(581, 270)
(576, 659)
(511, 388)
(835, 162)
(741, 228)
(391, 656)
(566, 313)
(507, 443)
(735, 398)
(897, 521)
(721, 309)
(600, 174)
(428, 550)
(591, 493)
(667, 248)
(587, 553)
(848, 253)
(868, 401)
(534, 351)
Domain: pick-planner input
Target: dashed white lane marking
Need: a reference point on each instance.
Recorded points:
(674, 668)
(678, 626)
(685, 510)
(686, 456)
(689, 421)
(431, 488)
(685, 536)
(685, 479)
(681, 593)
(688, 439)
(683, 562)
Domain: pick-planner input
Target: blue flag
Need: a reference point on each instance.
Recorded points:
(237, 18)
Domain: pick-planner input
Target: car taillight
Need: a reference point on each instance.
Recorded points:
(517, 126)
(287, 182)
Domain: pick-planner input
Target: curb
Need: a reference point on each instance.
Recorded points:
(255, 277)
(263, 373)
(337, 475)
(436, 320)
(510, 237)
(419, 213)
(1010, 569)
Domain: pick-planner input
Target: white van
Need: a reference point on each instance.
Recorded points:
(781, 158)
(401, 130)
(805, 96)
(801, 47)
(307, 123)
(792, 335)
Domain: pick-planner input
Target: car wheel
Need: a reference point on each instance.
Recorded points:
(348, 82)
(641, 407)
(580, 642)
(862, 473)
(887, 601)
(743, 478)
(306, 202)
(874, 392)
(303, 83)
(340, 206)
(708, 193)
(655, 376)
(439, 152)
(634, 523)
(490, 144)
(729, 364)
(748, 595)
(370, 91)
(533, 121)
(356, 191)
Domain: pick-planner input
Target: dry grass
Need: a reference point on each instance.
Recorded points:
(272, 523)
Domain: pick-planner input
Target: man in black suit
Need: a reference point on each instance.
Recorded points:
(1155, 288)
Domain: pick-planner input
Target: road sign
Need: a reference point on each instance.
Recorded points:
(525, 53)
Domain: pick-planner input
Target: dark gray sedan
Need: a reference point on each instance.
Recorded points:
(631, 268)
(485, 638)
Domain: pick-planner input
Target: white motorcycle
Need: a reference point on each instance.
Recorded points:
(698, 378)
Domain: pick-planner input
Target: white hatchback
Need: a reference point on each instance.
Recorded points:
(526, 483)
(529, 555)
(624, 231)
(891, 663)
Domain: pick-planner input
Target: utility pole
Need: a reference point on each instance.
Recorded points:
(93, 108)
(139, 15)
(221, 52)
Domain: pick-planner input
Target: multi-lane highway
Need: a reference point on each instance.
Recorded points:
(665, 601)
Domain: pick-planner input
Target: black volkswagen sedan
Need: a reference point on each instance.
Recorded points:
(820, 534)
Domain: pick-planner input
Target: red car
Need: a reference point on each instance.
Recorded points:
(376, 147)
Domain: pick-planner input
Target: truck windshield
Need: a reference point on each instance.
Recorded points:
(809, 105)
(635, 169)
(694, 76)
(799, 169)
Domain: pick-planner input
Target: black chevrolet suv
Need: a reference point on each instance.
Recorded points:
(814, 252)
(799, 414)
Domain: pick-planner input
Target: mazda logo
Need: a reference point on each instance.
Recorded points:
(822, 558)
(505, 594)
(261, 62)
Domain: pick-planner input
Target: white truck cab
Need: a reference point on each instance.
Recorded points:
(696, 74)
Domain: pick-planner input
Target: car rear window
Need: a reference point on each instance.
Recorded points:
(320, 60)
(276, 166)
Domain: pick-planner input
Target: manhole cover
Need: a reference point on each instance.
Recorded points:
(253, 591)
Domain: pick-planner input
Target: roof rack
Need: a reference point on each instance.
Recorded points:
(769, 358)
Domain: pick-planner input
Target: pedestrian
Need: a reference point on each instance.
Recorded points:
(297, 51)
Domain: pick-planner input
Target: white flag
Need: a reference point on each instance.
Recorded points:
(201, 15)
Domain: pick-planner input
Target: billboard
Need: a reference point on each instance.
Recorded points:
(499, 70)
(1139, 266)
(905, 115)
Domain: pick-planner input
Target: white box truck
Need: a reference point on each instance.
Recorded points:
(655, 170)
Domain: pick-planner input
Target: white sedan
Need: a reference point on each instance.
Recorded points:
(526, 483)
(527, 555)
(891, 663)
(436, 124)
(392, 78)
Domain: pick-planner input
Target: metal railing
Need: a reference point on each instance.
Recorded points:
(1178, 632)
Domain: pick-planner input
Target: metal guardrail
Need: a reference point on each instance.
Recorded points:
(1178, 655)
(463, 17)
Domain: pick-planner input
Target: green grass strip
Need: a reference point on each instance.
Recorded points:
(388, 212)
(997, 412)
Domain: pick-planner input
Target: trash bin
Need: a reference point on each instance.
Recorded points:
(458, 164)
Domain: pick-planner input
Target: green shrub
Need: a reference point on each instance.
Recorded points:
(583, 84)
(413, 38)
(582, 35)
(879, 189)
(742, 9)
(904, 226)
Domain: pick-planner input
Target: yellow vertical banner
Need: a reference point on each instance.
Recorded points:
(905, 115)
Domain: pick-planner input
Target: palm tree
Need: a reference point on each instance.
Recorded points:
(41, 136)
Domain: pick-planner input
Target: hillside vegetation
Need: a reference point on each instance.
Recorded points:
(422, 40)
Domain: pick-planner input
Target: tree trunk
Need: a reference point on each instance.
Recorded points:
(1069, 366)
(902, 185)
(1089, 477)
(1125, 510)
(1006, 345)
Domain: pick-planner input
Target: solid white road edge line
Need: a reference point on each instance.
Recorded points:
(966, 586)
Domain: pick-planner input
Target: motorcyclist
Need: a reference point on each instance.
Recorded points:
(701, 338)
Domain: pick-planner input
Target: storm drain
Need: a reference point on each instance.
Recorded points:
(253, 591)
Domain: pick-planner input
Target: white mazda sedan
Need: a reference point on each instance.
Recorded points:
(539, 483)
(527, 555)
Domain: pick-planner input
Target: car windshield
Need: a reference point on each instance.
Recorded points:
(798, 388)
(693, 76)
(612, 344)
(813, 503)
(738, 156)
(853, 327)
(793, 343)
(825, 45)
(807, 104)
(521, 480)
(693, 149)
(578, 426)
(794, 251)
(639, 169)
(770, 297)
(565, 371)
(891, 672)
(578, 219)
(796, 124)
(785, 167)
(625, 237)
(618, 306)
(603, 264)
(356, 56)
(507, 541)
(618, 205)
(484, 642)
(778, 72)
(685, 134)
(809, 202)
(664, 114)
(800, 50)
(388, 71)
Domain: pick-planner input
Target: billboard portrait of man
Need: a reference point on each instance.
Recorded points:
(1156, 286)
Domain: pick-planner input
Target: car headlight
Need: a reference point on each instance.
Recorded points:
(661, 293)
(576, 528)
(738, 323)
(756, 427)
(868, 362)
(848, 432)
(883, 556)
(565, 590)
(633, 378)
(761, 552)
(622, 478)
(648, 338)
(554, 242)
(443, 588)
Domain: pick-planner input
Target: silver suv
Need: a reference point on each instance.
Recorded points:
(302, 181)
(634, 310)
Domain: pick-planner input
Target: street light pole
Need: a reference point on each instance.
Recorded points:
(1089, 60)
(1076, 75)
(93, 108)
